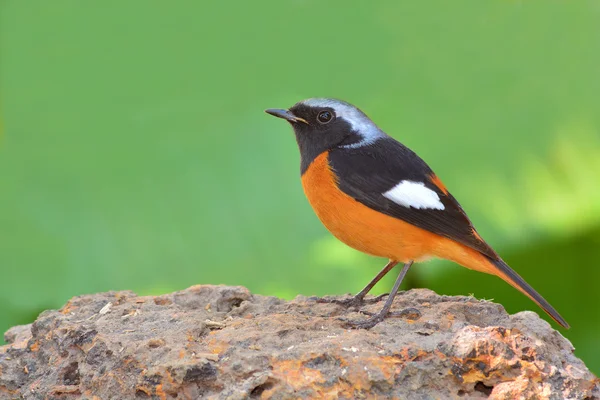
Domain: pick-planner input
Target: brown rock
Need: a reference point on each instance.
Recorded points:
(219, 342)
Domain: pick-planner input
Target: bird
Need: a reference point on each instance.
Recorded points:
(379, 197)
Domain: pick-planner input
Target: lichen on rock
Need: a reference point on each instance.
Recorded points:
(220, 342)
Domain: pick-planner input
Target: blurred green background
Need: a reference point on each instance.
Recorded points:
(135, 153)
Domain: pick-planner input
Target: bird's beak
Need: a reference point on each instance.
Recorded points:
(285, 114)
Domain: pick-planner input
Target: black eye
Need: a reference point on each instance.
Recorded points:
(325, 117)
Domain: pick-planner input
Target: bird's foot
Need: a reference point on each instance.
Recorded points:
(363, 324)
(408, 313)
(352, 302)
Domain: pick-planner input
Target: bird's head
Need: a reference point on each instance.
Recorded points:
(322, 124)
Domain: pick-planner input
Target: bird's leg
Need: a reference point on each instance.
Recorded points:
(377, 318)
(359, 299)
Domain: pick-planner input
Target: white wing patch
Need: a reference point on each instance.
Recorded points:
(415, 195)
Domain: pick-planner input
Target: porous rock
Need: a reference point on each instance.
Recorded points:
(220, 342)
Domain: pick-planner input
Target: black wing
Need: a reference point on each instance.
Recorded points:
(365, 173)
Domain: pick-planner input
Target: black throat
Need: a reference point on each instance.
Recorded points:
(311, 148)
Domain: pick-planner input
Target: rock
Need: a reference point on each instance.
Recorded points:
(219, 342)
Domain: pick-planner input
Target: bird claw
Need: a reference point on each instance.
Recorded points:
(352, 302)
(375, 299)
(408, 313)
(363, 324)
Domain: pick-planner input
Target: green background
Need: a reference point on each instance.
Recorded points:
(135, 153)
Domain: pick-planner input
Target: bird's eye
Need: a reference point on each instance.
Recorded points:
(325, 117)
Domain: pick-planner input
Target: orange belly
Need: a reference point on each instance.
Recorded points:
(374, 233)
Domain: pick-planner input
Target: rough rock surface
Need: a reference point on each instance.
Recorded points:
(220, 342)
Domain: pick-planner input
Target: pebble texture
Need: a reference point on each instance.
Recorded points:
(220, 342)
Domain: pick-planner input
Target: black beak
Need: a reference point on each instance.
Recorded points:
(285, 114)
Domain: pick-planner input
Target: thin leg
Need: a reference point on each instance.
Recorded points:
(377, 318)
(359, 299)
(391, 264)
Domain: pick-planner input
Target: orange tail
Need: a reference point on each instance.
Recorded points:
(509, 275)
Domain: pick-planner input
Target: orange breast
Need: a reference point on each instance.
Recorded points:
(375, 233)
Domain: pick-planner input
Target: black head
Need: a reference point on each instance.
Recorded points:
(325, 124)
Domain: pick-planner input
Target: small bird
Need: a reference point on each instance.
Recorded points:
(377, 196)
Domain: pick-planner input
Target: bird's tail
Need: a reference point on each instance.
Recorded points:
(510, 276)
